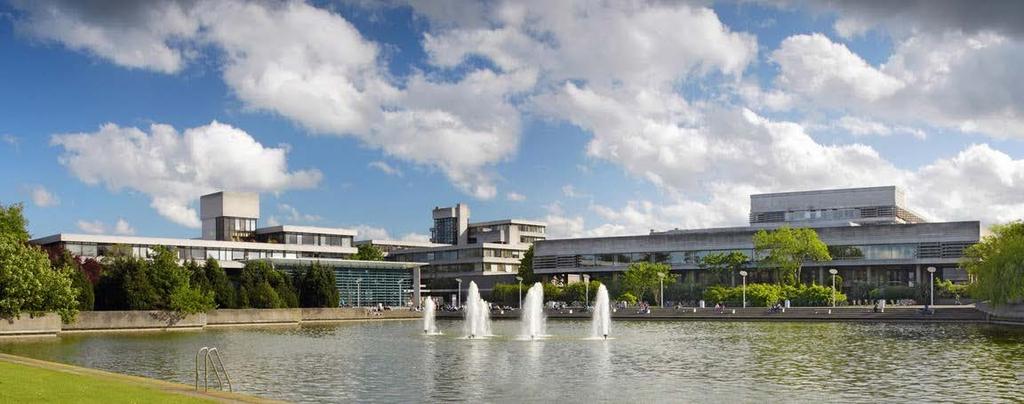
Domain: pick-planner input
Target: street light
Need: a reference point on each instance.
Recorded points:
(458, 304)
(744, 275)
(931, 276)
(520, 279)
(358, 297)
(833, 271)
(661, 281)
(586, 298)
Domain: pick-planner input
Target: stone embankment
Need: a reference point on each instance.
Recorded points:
(111, 321)
(956, 314)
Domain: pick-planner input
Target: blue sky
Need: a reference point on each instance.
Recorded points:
(598, 118)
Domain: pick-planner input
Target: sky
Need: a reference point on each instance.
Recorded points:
(599, 118)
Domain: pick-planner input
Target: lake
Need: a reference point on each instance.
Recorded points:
(645, 361)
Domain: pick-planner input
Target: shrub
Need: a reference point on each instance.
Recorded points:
(897, 292)
(577, 292)
(552, 293)
(506, 294)
(223, 291)
(627, 297)
(263, 287)
(766, 295)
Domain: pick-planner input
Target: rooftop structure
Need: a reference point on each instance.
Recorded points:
(833, 207)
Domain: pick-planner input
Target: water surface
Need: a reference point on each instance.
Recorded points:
(664, 361)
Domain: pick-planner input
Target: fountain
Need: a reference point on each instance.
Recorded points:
(602, 321)
(429, 309)
(478, 316)
(533, 313)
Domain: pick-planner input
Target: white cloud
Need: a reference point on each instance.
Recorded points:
(367, 232)
(515, 197)
(10, 139)
(570, 191)
(416, 237)
(814, 66)
(92, 226)
(952, 79)
(174, 168)
(42, 197)
(386, 168)
(122, 227)
(865, 127)
(293, 216)
(330, 79)
(131, 34)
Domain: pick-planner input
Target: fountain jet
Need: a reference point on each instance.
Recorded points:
(602, 318)
(478, 317)
(533, 313)
(429, 315)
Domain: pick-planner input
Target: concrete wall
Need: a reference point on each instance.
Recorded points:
(253, 316)
(48, 324)
(133, 320)
(1006, 312)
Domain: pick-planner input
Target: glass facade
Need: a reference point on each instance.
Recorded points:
(359, 287)
(873, 252)
(234, 228)
(189, 253)
(445, 231)
(529, 228)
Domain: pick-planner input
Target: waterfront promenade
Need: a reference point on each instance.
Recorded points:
(958, 314)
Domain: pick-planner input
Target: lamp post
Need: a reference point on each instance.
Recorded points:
(833, 271)
(931, 276)
(520, 279)
(359, 302)
(743, 274)
(586, 297)
(458, 305)
(661, 282)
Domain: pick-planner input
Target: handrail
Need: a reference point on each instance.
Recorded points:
(211, 357)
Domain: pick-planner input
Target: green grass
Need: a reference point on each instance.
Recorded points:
(27, 384)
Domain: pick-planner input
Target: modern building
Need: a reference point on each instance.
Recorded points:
(871, 234)
(484, 252)
(230, 235)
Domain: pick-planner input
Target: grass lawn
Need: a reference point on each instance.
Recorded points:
(21, 383)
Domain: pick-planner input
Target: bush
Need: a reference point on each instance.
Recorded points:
(577, 292)
(897, 292)
(263, 287)
(552, 293)
(85, 297)
(506, 294)
(223, 291)
(627, 297)
(129, 283)
(766, 295)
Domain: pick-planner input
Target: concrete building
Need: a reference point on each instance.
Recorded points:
(484, 252)
(230, 235)
(872, 236)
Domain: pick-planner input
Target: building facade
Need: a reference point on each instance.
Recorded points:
(231, 236)
(484, 252)
(872, 237)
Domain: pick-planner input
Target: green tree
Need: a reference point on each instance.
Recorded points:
(627, 297)
(644, 278)
(13, 223)
(368, 252)
(577, 291)
(86, 297)
(257, 287)
(223, 291)
(786, 249)
(526, 267)
(28, 283)
(724, 266)
(317, 287)
(997, 265)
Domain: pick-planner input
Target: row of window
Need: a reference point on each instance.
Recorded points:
(308, 239)
(187, 253)
(849, 252)
(529, 228)
(452, 255)
(529, 239)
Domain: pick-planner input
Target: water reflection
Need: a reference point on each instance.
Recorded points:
(647, 361)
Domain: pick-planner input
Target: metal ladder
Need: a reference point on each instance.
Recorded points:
(211, 358)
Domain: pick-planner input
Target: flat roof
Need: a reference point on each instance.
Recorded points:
(187, 242)
(826, 191)
(508, 221)
(401, 243)
(334, 231)
(334, 263)
(449, 247)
